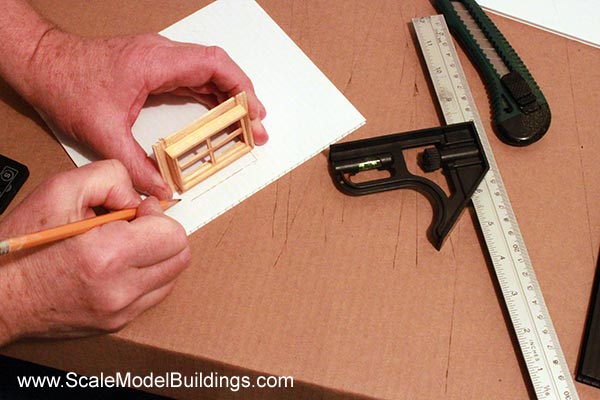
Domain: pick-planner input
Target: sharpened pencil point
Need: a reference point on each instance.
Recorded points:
(169, 203)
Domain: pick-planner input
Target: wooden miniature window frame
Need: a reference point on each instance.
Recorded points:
(206, 146)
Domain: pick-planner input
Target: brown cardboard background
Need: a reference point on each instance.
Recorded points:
(343, 293)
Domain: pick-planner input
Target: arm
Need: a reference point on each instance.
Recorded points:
(95, 282)
(94, 88)
(21, 31)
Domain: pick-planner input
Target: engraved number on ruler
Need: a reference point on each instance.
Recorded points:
(536, 335)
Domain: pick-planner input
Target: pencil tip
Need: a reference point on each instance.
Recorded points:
(166, 204)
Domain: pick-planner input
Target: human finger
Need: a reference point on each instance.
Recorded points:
(102, 183)
(146, 301)
(148, 278)
(199, 66)
(150, 238)
(210, 100)
(141, 169)
(70, 196)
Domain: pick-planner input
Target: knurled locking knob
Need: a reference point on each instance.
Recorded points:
(432, 159)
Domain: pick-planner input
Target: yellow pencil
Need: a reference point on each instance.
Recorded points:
(69, 230)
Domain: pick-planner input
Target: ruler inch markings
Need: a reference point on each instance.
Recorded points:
(520, 289)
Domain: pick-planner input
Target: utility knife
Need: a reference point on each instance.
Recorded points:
(520, 112)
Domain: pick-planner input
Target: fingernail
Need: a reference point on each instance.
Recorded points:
(262, 111)
(258, 132)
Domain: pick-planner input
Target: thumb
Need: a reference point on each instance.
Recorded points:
(149, 206)
(144, 174)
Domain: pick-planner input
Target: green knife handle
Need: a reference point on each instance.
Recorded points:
(520, 112)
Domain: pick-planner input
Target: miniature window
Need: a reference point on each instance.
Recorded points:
(206, 146)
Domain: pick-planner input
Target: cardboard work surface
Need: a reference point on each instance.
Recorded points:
(346, 294)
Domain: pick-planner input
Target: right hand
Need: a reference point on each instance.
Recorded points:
(93, 90)
(95, 282)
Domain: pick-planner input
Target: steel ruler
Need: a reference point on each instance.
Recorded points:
(536, 335)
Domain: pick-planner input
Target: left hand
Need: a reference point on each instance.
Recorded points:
(94, 89)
